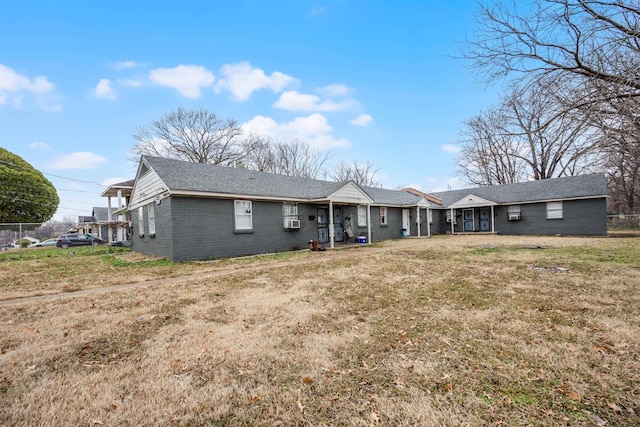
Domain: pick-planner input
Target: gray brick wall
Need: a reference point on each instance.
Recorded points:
(580, 217)
(204, 229)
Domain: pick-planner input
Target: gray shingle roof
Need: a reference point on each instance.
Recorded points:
(188, 176)
(181, 175)
(569, 187)
(201, 177)
(383, 196)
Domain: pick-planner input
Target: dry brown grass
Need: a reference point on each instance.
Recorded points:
(461, 330)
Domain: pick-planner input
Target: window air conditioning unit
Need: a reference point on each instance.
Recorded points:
(294, 223)
(514, 217)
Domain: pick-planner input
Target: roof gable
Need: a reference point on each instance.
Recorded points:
(350, 192)
(471, 201)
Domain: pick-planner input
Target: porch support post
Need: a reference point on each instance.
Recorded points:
(368, 224)
(428, 224)
(418, 219)
(493, 228)
(109, 220)
(331, 229)
(453, 219)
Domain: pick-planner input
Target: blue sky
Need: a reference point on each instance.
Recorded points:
(371, 81)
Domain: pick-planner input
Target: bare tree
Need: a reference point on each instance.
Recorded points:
(524, 138)
(591, 39)
(294, 158)
(489, 154)
(620, 131)
(361, 174)
(194, 135)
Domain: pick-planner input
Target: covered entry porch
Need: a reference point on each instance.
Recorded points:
(471, 214)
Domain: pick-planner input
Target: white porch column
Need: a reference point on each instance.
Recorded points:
(109, 220)
(453, 219)
(493, 228)
(428, 224)
(331, 229)
(368, 224)
(418, 219)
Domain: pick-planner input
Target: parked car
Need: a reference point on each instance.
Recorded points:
(6, 247)
(67, 240)
(48, 242)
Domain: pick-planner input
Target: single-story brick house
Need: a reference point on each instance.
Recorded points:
(187, 211)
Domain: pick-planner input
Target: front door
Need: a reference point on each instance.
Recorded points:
(323, 225)
(485, 220)
(406, 221)
(468, 220)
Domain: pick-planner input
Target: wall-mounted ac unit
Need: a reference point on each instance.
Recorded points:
(514, 217)
(293, 223)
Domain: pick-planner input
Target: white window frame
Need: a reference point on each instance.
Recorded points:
(384, 219)
(430, 216)
(289, 212)
(141, 221)
(554, 210)
(514, 212)
(243, 209)
(151, 217)
(449, 214)
(362, 216)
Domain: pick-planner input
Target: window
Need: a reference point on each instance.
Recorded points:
(141, 221)
(290, 215)
(554, 210)
(383, 216)
(243, 215)
(448, 213)
(362, 216)
(514, 212)
(151, 216)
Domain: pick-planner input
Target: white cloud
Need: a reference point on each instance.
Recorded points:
(78, 160)
(450, 148)
(13, 85)
(104, 90)
(242, 80)
(130, 82)
(37, 145)
(362, 120)
(294, 101)
(335, 90)
(186, 79)
(122, 65)
(313, 129)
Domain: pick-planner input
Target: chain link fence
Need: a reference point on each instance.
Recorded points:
(19, 235)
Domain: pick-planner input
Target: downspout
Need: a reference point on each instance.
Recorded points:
(428, 224)
(418, 219)
(331, 229)
(368, 223)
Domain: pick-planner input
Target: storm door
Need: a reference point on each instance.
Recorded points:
(338, 227)
(485, 220)
(323, 225)
(468, 220)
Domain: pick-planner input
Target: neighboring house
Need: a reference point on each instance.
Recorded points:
(188, 211)
(104, 225)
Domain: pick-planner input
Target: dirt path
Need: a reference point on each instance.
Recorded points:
(321, 257)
